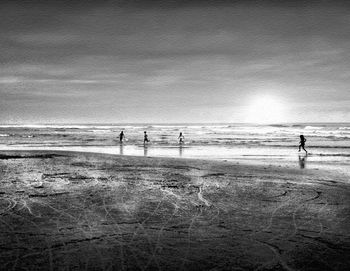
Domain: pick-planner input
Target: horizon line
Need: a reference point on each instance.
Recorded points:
(170, 123)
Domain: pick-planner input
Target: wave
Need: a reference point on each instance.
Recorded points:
(40, 126)
(333, 154)
(307, 147)
(4, 135)
(100, 131)
(313, 127)
(78, 126)
(337, 137)
(279, 125)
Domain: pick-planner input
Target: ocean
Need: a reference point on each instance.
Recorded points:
(327, 143)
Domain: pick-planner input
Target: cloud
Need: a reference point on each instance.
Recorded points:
(45, 39)
(9, 80)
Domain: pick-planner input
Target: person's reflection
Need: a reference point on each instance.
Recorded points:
(121, 149)
(180, 150)
(145, 150)
(302, 161)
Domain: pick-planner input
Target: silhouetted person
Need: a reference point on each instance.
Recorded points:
(302, 161)
(302, 143)
(180, 150)
(121, 136)
(145, 137)
(181, 138)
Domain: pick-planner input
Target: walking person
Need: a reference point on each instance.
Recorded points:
(121, 136)
(145, 137)
(181, 138)
(302, 143)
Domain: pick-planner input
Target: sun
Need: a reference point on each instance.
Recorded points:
(265, 110)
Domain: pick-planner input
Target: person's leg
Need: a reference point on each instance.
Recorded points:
(299, 147)
(304, 149)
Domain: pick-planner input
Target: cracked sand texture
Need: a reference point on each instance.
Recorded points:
(73, 211)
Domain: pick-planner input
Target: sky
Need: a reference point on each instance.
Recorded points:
(174, 61)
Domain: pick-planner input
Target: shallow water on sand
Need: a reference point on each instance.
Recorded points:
(328, 144)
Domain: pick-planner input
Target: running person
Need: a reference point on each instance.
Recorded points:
(145, 137)
(302, 143)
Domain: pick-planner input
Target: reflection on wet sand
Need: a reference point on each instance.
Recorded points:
(121, 149)
(180, 150)
(145, 150)
(302, 160)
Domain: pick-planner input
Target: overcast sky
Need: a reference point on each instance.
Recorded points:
(172, 61)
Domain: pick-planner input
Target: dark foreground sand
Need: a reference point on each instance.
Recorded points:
(73, 211)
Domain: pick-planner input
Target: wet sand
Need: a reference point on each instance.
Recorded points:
(73, 211)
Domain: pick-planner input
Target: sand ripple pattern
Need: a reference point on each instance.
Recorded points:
(64, 211)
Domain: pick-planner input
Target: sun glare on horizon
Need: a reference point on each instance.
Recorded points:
(265, 109)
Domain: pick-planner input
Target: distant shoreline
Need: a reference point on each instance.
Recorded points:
(176, 124)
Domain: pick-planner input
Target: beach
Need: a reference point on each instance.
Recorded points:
(173, 135)
(74, 210)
